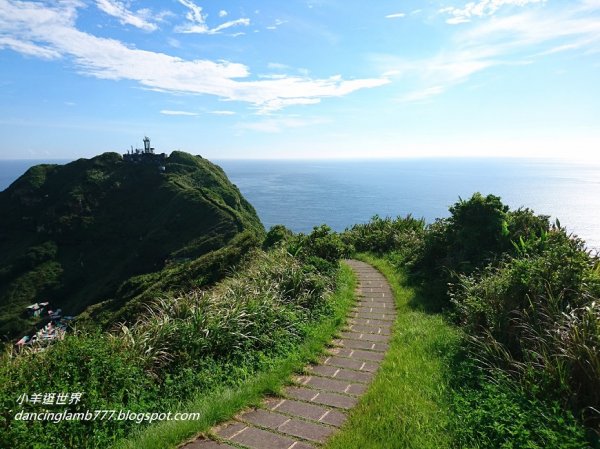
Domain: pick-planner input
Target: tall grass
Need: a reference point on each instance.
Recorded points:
(222, 403)
(537, 318)
(183, 345)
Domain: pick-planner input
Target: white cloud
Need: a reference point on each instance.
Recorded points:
(222, 13)
(28, 48)
(118, 9)
(481, 8)
(397, 15)
(46, 30)
(197, 21)
(186, 113)
(516, 39)
(222, 112)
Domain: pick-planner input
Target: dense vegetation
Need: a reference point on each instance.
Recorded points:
(103, 230)
(526, 295)
(183, 345)
(497, 343)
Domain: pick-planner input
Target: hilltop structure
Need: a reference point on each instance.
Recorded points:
(146, 155)
(78, 233)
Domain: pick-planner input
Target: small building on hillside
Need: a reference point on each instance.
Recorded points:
(146, 155)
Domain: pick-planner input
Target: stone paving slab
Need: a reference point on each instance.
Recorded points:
(311, 412)
(207, 444)
(382, 330)
(336, 385)
(364, 337)
(368, 326)
(358, 354)
(371, 322)
(321, 397)
(369, 309)
(306, 430)
(341, 373)
(288, 425)
(255, 438)
(376, 316)
(358, 344)
(264, 418)
(358, 365)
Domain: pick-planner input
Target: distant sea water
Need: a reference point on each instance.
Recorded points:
(303, 194)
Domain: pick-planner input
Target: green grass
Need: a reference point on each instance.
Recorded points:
(222, 404)
(104, 232)
(408, 404)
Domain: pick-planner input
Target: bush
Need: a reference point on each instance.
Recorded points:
(278, 234)
(383, 235)
(322, 242)
(480, 231)
(536, 316)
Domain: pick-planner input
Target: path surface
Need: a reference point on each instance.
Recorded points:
(312, 410)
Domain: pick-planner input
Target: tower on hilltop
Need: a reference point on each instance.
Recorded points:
(146, 156)
(147, 148)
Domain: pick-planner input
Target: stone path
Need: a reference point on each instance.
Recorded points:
(312, 409)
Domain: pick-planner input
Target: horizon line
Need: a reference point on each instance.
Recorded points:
(345, 158)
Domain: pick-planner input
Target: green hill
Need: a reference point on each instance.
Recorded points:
(110, 234)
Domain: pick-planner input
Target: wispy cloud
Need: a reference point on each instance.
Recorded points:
(48, 30)
(197, 21)
(481, 8)
(139, 19)
(170, 112)
(222, 112)
(28, 48)
(276, 25)
(516, 39)
(396, 15)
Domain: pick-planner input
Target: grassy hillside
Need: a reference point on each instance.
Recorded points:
(103, 230)
(246, 333)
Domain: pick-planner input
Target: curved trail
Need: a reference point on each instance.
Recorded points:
(312, 410)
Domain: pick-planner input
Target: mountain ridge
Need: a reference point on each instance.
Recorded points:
(74, 234)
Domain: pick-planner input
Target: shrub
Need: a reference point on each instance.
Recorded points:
(278, 234)
(535, 316)
(384, 235)
(322, 242)
(480, 231)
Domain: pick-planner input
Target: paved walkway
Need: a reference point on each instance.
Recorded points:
(311, 410)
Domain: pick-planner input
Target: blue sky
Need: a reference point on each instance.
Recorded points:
(301, 79)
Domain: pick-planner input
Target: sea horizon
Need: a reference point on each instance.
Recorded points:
(303, 193)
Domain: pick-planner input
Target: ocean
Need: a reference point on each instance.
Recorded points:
(302, 194)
